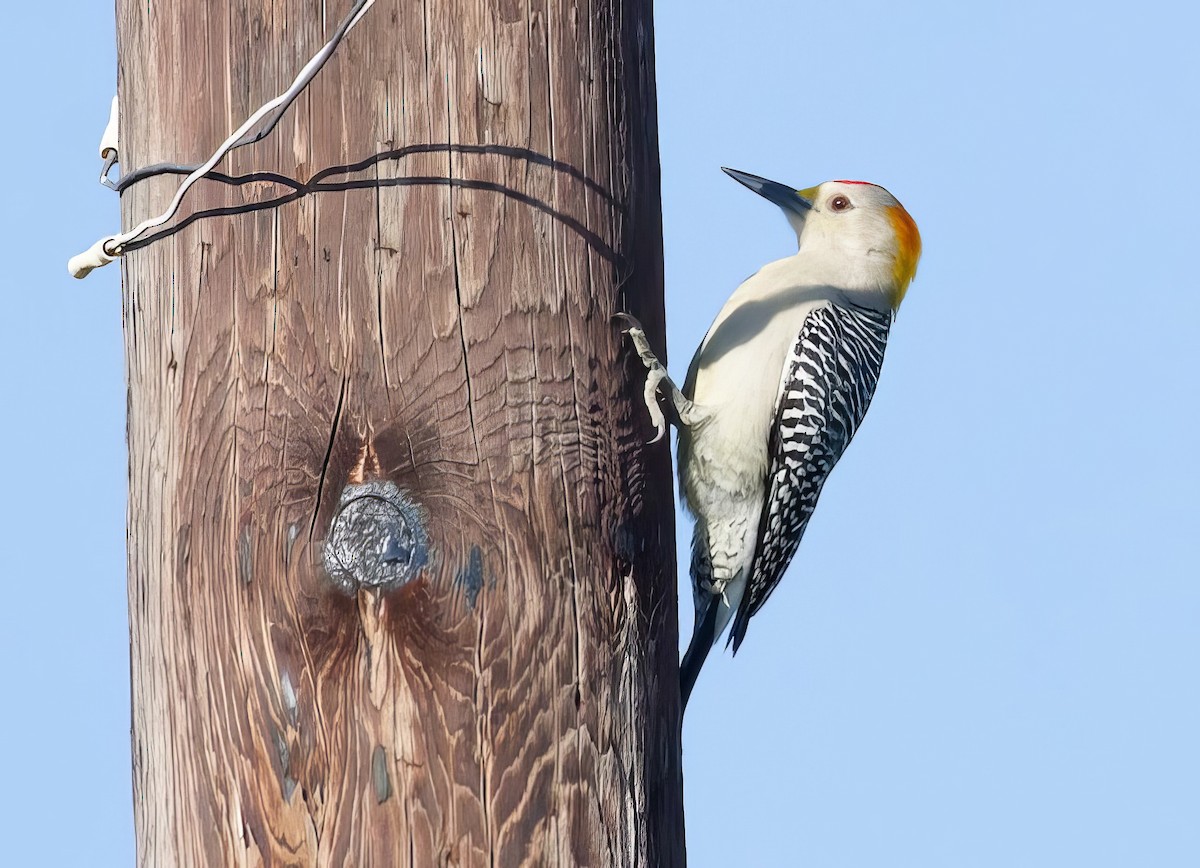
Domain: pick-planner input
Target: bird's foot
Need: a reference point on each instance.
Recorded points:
(656, 374)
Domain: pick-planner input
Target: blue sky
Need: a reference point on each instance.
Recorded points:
(985, 652)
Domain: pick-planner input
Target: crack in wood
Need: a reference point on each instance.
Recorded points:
(462, 335)
(333, 430)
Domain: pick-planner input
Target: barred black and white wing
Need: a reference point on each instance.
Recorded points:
(828, 381)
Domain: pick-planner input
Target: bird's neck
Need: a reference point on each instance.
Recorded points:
(864, 278)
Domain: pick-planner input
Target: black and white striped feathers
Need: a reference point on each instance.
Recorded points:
(828, 380)
(828, 377)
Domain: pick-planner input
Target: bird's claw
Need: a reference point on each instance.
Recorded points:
(656, 373)
(653, 378)
(642, 344)
(630, 321)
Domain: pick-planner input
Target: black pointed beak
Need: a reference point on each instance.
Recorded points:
(782, 195)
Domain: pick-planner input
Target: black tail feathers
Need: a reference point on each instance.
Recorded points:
(697, 652)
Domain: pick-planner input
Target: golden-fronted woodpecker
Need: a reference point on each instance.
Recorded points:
(776, 391)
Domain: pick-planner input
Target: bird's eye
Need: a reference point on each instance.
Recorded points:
(839, 203)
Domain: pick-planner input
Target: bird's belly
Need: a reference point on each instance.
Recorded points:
(735, 382)
(728, 451)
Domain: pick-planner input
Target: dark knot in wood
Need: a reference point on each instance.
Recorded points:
(377, 538)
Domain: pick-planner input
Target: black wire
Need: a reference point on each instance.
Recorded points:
(141, 174)
(174, 169)
(299, 190)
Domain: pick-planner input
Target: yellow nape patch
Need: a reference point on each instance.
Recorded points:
(908, 251)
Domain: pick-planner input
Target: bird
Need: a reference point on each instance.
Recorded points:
(777, 390)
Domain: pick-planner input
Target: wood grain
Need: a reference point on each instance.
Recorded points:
(440, 318)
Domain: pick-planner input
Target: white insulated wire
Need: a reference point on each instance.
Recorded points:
(109, 151)
(110, 247)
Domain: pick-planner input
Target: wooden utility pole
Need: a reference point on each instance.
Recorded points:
(401, 570)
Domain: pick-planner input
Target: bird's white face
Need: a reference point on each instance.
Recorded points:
(860, 228)
(859, 220)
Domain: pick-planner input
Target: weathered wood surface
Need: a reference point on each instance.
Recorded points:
(443, 323)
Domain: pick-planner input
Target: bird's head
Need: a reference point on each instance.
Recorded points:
(858, 228)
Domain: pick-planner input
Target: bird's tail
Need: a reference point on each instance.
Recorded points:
(702, 640)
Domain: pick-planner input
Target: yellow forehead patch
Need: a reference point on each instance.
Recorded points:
(809, 193)
(908, 251)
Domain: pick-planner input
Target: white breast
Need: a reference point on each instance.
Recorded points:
(734, 378)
